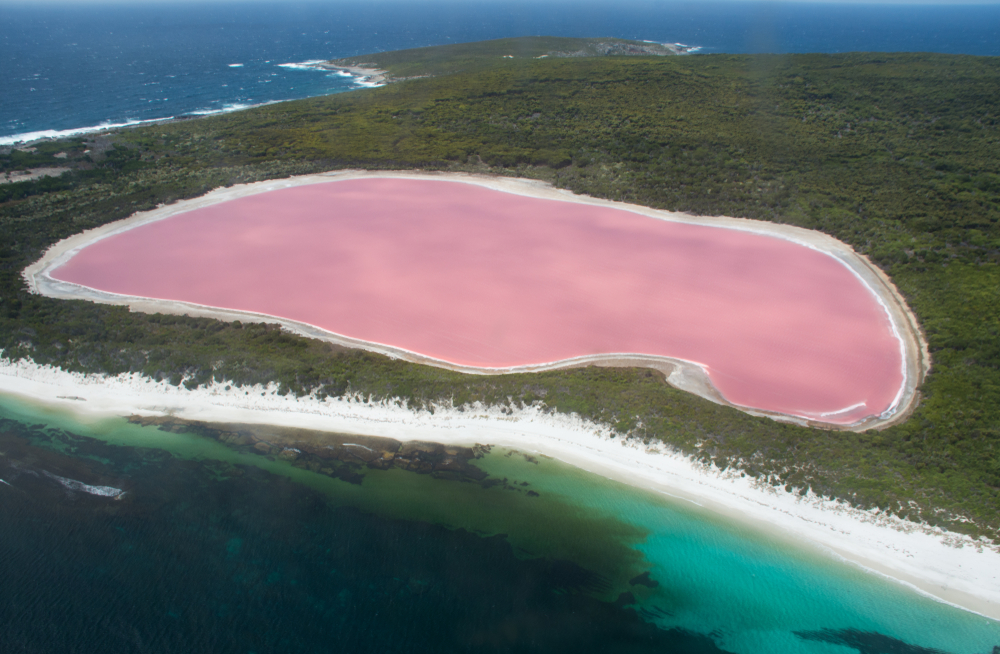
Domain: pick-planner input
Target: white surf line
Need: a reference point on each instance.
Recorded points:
(28, 137)
(304, 65)
(73, 484)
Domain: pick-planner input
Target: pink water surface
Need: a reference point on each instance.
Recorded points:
(483, 278)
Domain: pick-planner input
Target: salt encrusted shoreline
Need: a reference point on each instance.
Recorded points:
(685, 375)
(948, 566)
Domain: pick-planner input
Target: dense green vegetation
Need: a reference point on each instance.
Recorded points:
(894, 154)
(497, 54)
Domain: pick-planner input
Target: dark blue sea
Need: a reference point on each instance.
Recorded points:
(79, 65)
(121, 538)
(117, 537)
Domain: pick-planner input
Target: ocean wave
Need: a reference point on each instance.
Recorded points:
(64, 133)
(225, 109)
(27, 137)
(364, 81)
(72, 484)
(304, 65)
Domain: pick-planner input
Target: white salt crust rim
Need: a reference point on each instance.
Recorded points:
(686, 375)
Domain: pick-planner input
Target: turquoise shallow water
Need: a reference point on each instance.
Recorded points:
(579, 541)
(754, 591)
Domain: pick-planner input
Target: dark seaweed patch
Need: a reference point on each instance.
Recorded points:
(207, 556)
(867, 642)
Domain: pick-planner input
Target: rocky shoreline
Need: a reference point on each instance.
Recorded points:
(367, 75)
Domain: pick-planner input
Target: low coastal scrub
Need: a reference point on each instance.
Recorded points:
(498, 53)
(893, 154)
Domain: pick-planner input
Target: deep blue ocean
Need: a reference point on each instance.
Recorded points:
(78, 65)
(116, 537)
(120, 538)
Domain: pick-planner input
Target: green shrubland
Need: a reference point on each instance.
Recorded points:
(895, 154)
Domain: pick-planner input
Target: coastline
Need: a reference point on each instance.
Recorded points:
(947, 566)
(29, 138)
(685, 375)
(365, 76)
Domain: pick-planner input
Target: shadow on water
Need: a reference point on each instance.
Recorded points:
(108, 548)
(867, 642)
(180, 536)
(444, 485)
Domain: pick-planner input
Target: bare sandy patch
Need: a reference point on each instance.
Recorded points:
(34, 173)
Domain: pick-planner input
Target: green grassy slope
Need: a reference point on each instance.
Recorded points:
(894, 154)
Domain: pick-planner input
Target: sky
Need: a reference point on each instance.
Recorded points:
(482, 2)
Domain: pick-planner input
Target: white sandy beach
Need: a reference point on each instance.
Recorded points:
(948, 566)
(951, 567)
(685, 375)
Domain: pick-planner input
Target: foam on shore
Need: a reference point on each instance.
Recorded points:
(304, 65)
(27, 137)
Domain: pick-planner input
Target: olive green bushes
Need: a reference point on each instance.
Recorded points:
(894, 154)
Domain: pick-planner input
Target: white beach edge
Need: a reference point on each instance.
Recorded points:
(950, 567)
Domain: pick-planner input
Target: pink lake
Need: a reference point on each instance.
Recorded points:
(484, 278)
